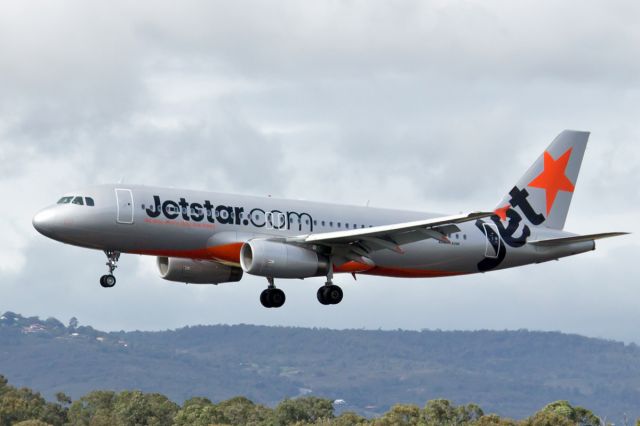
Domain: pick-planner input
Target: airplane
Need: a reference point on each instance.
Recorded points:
(211, 238)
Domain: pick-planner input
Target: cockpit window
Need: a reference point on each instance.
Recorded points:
(78, 200)
(89, 201)
(64, 200)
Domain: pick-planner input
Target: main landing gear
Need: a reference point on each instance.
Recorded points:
(329, 293)
(272, 297)
(109, 280)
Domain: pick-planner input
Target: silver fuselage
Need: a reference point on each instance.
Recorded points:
(207, 225)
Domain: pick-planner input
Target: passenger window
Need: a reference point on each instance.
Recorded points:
(89, 201)
(338, 224)
(78, 201)
(361, 226)
(315, 222)
(346, 225)
(323, 223)
(464, 237)
(331, 224)
(64, 200)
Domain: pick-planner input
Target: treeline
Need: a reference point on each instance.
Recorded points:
(24, 407)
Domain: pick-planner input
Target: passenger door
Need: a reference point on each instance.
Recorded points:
(124, 203)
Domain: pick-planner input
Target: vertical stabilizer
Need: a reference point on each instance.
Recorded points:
(543, 194)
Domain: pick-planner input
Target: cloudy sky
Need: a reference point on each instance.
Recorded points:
(431, 105)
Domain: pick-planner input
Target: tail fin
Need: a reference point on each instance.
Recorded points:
(543, 194)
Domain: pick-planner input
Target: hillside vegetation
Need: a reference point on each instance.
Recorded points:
(512, 373)
(26, 408)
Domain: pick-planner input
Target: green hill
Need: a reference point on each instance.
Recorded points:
(512, 373)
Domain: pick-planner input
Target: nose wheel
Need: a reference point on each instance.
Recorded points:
(272, 297)
(109, 280)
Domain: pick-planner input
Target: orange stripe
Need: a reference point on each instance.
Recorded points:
(231, 253)
(225, 252)
(351, 267)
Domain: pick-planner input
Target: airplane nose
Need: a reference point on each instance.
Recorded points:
(44, 222)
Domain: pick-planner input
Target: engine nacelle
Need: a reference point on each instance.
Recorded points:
(197, 271)
(281, 260)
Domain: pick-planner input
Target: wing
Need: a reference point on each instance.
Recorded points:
(357, 244)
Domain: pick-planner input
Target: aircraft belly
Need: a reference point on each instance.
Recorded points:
(429, 257)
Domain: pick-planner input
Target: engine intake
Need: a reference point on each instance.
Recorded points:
(197, 271)
(281, 260)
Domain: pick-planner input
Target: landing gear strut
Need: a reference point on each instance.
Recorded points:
(112, 263)
(272, 297)
(329, 293)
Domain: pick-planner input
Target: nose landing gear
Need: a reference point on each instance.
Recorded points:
(109, 280)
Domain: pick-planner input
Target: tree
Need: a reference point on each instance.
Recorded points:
(348, 418)
(548, 418)
(198, 415)
(401, 414)
(137, 408)
(240, 410)
(306, 409)
(18, 405)
(73, 323)
(439, 412)
(577, 415)
(494, 420)
(63, 399)
(95, 408)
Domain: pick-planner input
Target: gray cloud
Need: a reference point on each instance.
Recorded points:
(437, 106)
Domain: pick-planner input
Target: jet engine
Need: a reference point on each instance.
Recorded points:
(197, 271)
(281, 260)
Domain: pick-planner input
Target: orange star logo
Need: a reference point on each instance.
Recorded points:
(553, 178)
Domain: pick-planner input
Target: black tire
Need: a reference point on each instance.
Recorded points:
(109, 281)
(323, 296)
(277, 297)
(264, 298)
(102, 281)
(334, 294)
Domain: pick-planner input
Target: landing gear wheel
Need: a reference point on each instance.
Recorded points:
(107, 281)
(272, 297)
(322, 295)
(276, 297)
(264, 298)
(335, 294)
(330, 294)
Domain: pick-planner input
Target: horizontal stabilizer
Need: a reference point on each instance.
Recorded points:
(576, 239)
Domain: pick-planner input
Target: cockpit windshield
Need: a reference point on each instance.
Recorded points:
(76, 199)
(65, 200)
